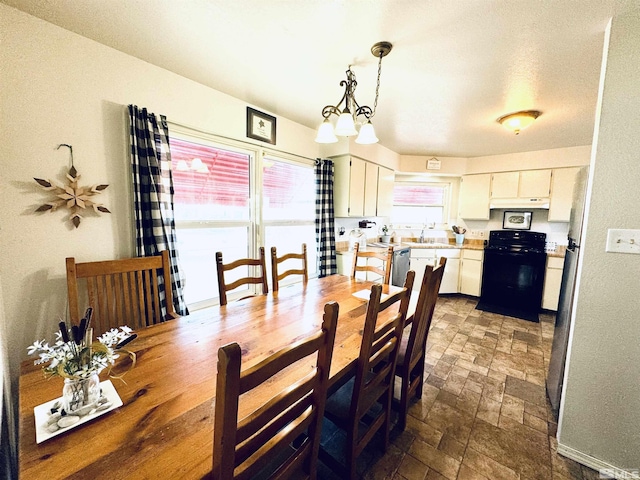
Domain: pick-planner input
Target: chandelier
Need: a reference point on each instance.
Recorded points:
(349, 113)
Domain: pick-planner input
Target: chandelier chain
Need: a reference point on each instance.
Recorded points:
(375, 102)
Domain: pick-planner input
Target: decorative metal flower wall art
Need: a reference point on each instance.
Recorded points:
(75, 198)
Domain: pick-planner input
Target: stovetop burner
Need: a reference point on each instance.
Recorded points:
(516, 241)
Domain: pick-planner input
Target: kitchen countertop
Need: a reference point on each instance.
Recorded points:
(469, 244)
(343, 247)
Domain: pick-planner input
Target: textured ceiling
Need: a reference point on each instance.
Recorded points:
(455, 66)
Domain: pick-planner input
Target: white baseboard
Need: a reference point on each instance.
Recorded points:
(596, 464)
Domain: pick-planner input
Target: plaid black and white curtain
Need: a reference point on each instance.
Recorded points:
(153, 196)
(325, 230)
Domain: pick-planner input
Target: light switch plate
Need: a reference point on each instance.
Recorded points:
(623, 240)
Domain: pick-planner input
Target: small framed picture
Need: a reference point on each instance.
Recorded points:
(261, 126)
(517, 220)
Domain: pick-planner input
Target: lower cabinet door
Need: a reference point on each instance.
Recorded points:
(418, 265)
(451, 269)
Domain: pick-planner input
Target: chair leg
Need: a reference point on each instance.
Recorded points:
(350, 457)
(387, 420)
(420, 367)
(404, 401)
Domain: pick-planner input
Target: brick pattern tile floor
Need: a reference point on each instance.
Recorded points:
(483, 414)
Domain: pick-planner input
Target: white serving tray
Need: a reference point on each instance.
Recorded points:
(43, 413)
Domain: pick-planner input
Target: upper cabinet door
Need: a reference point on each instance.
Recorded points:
(524, 184)
(473, 202)
(348, 187)
(386, 178)
(534, 183)
(505, 185)
(361, 188)
(371, 190)
(562, 183)
(357, 180)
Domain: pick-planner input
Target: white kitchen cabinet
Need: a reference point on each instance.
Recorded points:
(371, 190)
(386, 179)
(534, 183)
(451, 269)
(562, 183)
(471, 272)
(473, 203)
(361, 189)
(523, 184)
(345, 264)
(343, 261)
(505, 184)
(348, 186)
(552, 282)
(420, 258)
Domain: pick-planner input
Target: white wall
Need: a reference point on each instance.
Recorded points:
(600, 415)
(58, 87)
(453, 166)
(555, 158)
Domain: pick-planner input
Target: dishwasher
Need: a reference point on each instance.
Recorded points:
(399, 266)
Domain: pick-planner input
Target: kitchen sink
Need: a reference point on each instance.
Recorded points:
(429, 245)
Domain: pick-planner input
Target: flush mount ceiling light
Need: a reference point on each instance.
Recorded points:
(519, 120)
(349, 113)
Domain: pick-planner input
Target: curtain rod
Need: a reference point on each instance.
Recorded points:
(222, 137)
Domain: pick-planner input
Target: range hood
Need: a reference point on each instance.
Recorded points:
(519, 203)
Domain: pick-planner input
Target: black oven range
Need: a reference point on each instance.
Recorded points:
(513, 273)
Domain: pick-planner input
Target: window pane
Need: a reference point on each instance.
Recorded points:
(288, 191)
(412, 194)
(289, 238)
(209, 183)
(416, 204)
(405, 215)
(198, 247)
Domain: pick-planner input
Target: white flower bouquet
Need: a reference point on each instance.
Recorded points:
(74, 355)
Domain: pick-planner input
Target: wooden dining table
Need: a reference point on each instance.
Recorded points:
(164, 429)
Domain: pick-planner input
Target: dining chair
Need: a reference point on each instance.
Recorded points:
(121, 292)
(361, 407)
(261, 279)
(383, 270)
(412, 350)
(280, 439)
(275, 261)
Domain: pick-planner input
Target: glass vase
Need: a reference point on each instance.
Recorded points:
(79, 392)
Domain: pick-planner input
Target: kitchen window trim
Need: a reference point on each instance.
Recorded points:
(446, 206)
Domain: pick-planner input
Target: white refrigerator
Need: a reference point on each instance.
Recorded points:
(555, 377)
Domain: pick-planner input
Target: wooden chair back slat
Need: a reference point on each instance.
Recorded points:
(386, 257)
(276, 261)
(121, 292)
(260, 279)
(138, 276)
(244, 447)
(273, 419)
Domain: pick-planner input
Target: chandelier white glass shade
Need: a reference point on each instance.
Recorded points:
(519, 120)
(348, 110)
(197, 165)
